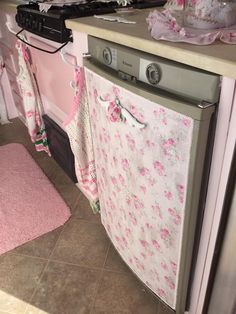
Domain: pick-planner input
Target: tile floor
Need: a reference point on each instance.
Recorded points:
(73, 269)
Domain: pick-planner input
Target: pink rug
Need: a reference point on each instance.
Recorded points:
(29, 204)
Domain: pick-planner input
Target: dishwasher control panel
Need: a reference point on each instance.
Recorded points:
(135, 65)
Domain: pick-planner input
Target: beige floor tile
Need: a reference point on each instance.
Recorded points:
(114, 261)
(64, 185)
(82, 243)
(14, 132)
(34, 310)
(69, 192)
(83, 210)
(65, 289)
(122, 293)
(40, 247)
(19, 277)
(165, 309)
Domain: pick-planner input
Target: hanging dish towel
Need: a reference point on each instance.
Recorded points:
(77, 126)
(168, 25)
(31, 99)
(3, 111)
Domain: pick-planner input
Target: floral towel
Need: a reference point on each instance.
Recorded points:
(143, 153)
(174, 4)
(167, 25)
(77, 127)
(31, 99)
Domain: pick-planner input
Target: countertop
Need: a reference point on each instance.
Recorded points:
(218, 58)
(10, 4)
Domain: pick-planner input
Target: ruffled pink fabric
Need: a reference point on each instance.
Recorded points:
(167, 25)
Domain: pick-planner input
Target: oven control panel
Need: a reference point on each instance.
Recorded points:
(46, 25)
(138, 66)
(51, 24)
(129, 63)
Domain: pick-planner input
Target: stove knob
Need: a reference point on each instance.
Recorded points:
(26, 21)
(153, 73)
(107, 56)
(40, 25)
(21, 18)
(34, 24)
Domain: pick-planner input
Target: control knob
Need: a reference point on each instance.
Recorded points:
(40, 25)
(107, 56)
(34, 24)
(153, 73)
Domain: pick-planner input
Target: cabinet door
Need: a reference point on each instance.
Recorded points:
(142, 181)
(19, 104)
(53, 75)
(8, 97)
(13, 81)
(8, 39)
(10, 57)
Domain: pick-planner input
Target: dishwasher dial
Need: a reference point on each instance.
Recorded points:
(153, 73)
(107, 56)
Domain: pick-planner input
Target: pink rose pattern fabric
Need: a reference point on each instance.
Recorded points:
(31, 99)
(114, 111)
(142, 177)
(77, 126)
(167, 25)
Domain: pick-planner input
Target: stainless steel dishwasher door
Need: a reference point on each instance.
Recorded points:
(149, 154)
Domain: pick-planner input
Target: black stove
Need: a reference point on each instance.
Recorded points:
(51, 24)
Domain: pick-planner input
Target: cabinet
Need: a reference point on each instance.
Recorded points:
(11, 90)
(53, 77)
(225, 138)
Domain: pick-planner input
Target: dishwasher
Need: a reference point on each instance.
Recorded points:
(152, 123)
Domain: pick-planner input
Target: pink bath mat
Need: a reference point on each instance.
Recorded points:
(29, 204)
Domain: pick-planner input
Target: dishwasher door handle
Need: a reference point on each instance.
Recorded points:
(38, 48)
(124, 115)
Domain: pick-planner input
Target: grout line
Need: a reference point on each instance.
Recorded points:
(78, 265)
(31, 256)
(96, 292)
(108, 249)
(74, 264)
(99, 280)
(43, 271)
(36, 286)
(86, 220)
(110, 270)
